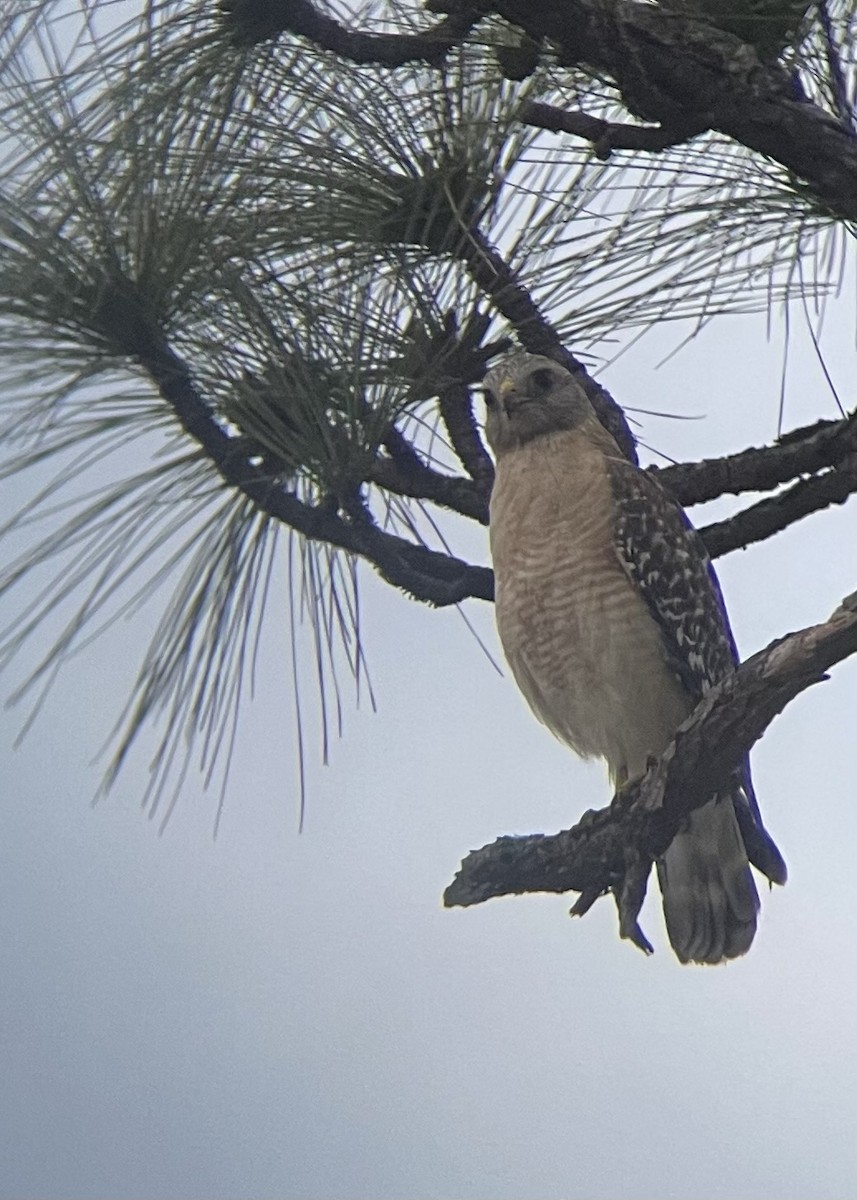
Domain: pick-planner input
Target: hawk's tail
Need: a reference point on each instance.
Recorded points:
(710, 899)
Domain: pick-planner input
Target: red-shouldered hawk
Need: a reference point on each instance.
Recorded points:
(613, 623)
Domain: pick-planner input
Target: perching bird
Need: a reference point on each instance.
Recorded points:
(613, 623)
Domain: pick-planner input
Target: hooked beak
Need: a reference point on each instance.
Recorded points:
(508, 396)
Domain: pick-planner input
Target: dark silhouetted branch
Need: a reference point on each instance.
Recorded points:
(490, 271)
(251, 21)
(776, 513)
(612, 850)
(427, 575)
(607, 136)
(431, 575)
(799, 452)
(456, 411)
(673, 68)
(415, 479)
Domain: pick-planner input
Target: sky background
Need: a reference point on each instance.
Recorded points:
(285, 1015)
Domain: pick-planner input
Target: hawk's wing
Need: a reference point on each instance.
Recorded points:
(667, 562)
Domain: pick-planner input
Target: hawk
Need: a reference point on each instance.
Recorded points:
(613, 623)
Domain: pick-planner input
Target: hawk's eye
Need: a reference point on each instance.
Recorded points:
(541, 380)
(489, 398)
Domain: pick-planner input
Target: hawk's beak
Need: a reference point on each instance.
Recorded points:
(506, 394)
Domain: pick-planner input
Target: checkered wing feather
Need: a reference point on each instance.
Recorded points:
(667, 562)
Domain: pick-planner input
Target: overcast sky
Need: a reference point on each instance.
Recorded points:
(284, 1015)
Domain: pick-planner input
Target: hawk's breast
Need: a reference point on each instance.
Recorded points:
(584, 649)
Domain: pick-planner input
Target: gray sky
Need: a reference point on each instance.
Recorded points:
(296, 1016)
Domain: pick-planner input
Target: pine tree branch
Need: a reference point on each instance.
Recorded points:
(612, 850)
(490, 272)
(675, 69)
(607, 136)
(758, 469)
(456, 411)
(770, 516)
(751, 470)
(251, 21)
(847, 116)
(449, 364)
(418, 481)
(427, 575)
(672, 69)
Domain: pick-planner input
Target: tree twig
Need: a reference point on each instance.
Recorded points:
(607, 136)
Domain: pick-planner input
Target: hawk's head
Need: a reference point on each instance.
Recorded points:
(528, 396)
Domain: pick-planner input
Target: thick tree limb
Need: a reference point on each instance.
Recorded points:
(251, 21)
(612, 850)
(672, 68)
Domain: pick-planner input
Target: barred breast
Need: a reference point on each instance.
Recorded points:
(584, 650)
